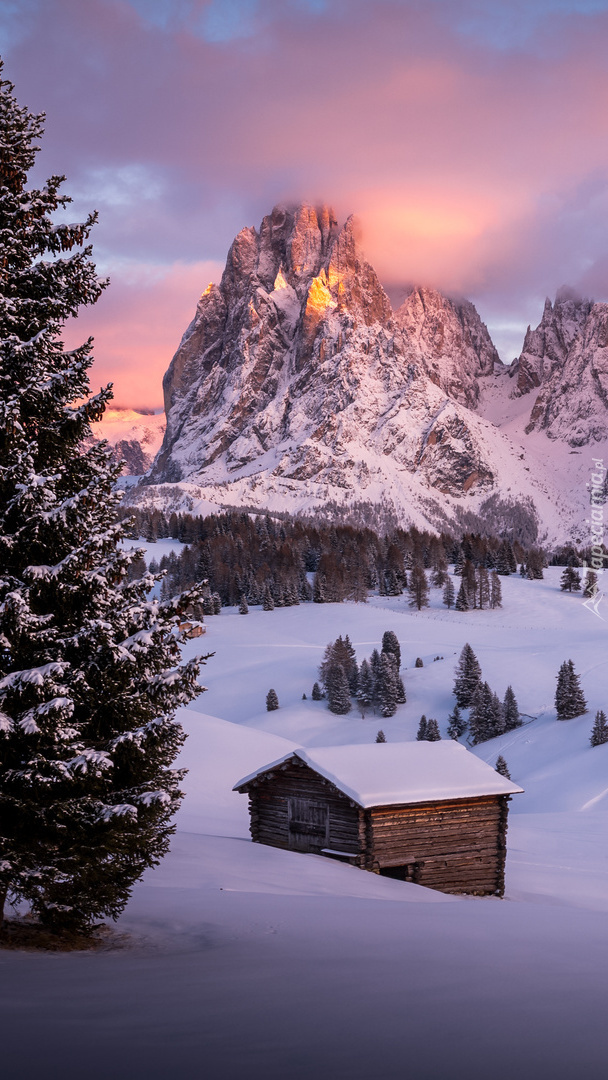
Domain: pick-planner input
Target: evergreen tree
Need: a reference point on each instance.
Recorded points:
(457, 724)
(510, 708)
(432, 731)
(243, 608)
(482, 716)
(268, 601)
(483, 587)
(570, 580)
(338, 692)
(502, 767)
(422, 729)
(389, 690)
(90, 673)
(468, 677)
(365, 691)
(316, 694)
(569, 697)
(449, 593)
(390, 644)
(401, 698)
(495, 590)
(380, 737)
(272, 701)
(469, 580)
(462, 600)
(599, 731)
(375, 668)
(418, 587)
(418, 662)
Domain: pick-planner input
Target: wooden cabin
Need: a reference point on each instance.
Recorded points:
(431, 813)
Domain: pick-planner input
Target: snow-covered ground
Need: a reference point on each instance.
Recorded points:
(246, 961)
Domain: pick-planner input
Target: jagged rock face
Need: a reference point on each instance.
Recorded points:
(546, 348)
(572, 404)
(296, 368)
(451, 341)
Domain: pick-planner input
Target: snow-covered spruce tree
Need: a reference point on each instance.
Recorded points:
(495, 590)
(243, 606)
(338, 691)
(390, 644)
(457, 724)
(570, 580)
(462, 600)
(433, 733)
(272, 701)
(599, 731)
(317, 694)
(422, 729)
(510, 709)
(381, 737)
(365, 691)
(389, 684)
(90, 672)
(468, 677)
(418, 587)
(569, 697)
(502, 767)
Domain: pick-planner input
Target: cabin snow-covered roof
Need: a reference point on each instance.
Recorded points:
(386, 774)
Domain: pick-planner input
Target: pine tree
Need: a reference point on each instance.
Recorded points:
(569, 697)
(380, 737)
(482, 717)
(449, 593)
(89, 665)
(599, 731)
(375, 668)
(243, 607)
(316, 694)
(468, 677)
(511, 713)
(570, 580)
(390, 644)
(418, 587)
(422, 729)
(268, 601)
(389, 689)
(401, 698)
(502, 767)
(365, 691)
(432, 731)
(338, 692)
(483, 587)
(462, 600)
(457, 725)
(272, 701)
(495, 590)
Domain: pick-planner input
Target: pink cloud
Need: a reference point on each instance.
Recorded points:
(479, 169)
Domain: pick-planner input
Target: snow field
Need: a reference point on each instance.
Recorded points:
(250, 961)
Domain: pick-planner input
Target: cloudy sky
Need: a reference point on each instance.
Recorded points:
(469, 136)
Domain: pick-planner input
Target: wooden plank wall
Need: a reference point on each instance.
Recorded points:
(268, 804)
(454, 846)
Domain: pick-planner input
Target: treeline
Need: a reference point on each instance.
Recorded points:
(280, 562)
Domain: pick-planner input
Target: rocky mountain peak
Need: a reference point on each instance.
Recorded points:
(545, 349)
(452, 340)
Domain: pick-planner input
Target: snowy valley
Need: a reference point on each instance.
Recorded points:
(230, 945)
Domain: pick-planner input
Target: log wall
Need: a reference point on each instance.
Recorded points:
(454, 846)
(269, 799)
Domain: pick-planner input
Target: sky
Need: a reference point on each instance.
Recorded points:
(470, 138)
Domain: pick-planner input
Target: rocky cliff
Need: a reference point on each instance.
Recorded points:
(295, 376)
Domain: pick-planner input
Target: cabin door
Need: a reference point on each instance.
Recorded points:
(308, 825)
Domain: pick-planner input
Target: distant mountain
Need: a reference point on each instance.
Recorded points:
(296, 387)
(566, 357)
(135, 437)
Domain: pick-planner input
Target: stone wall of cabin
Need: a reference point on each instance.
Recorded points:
(456, 846)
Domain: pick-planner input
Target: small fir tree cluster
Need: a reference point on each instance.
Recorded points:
(502, 767)
(489, 716)
(376, 684)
